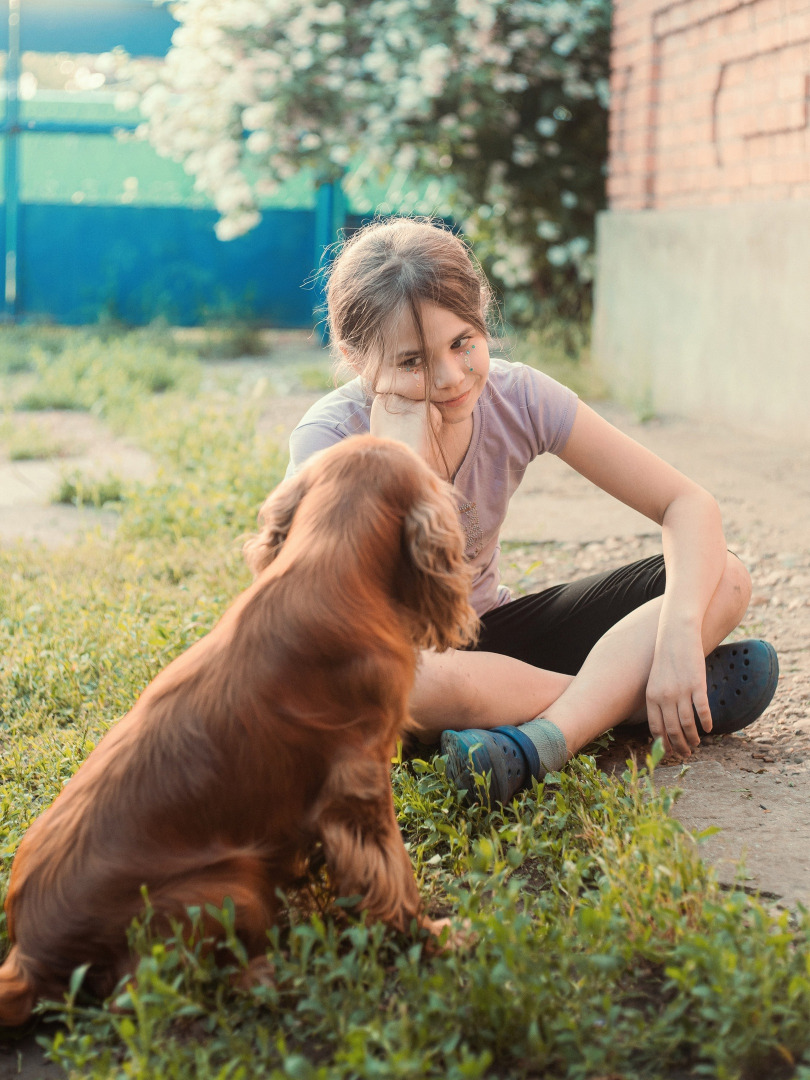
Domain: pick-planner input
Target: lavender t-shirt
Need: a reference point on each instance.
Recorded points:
(520, 414)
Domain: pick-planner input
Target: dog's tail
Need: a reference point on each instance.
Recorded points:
(18, 990)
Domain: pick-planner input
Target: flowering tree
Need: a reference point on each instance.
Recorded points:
(506, 99)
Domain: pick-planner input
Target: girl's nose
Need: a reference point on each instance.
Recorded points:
(449, 370)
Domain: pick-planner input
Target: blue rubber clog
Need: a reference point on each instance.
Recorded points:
(741, 680)
(502, 752)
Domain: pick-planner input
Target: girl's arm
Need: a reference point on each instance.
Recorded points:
(694, 554)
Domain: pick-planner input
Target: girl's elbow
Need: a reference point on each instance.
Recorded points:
(690, 500)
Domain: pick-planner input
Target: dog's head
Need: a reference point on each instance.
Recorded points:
(375, 500)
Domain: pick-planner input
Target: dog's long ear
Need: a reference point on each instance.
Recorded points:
(436, 580)
(276, 517)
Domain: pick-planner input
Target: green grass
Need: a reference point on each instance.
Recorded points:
(77, 490)
(103, 376)
(562, 349)
(31, 441)
(602, 947)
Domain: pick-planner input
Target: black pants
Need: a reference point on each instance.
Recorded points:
(558, 627)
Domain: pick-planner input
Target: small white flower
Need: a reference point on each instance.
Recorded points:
(256, 117)
(578, 247)
(406, 158)
(341, 155)
(564, 45)
(303, 59)
(377, 62)
(126, 100)
(548, 230)
(330, 42)
(557, 255)
(329, 15)
(234, 195)
(258, 142)
(524, 153)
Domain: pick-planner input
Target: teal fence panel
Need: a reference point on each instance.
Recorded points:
(77, 249)
(138, 263)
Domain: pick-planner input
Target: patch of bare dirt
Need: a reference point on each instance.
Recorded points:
(73, 442)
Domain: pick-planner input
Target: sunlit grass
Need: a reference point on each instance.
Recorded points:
(601, 946)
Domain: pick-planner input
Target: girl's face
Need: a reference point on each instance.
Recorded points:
(457, 368)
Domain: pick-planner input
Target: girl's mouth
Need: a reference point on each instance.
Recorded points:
(454, 402)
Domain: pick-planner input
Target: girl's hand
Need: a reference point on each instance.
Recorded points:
(406, 420)
(677, 683)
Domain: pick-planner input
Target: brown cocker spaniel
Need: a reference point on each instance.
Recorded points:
(270, 735)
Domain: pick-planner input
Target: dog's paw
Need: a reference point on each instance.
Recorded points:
(448, 936)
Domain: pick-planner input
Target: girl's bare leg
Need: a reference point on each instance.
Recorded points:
(483, 690)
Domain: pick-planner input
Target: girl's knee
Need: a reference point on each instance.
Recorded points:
(443, 694)
(735, 586)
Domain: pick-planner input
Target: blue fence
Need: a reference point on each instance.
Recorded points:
(76, 263)
(134, 263)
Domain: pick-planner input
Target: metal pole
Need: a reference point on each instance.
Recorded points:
(12, 163)
(330, 218)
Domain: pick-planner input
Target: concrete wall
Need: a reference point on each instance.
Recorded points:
(706, 313)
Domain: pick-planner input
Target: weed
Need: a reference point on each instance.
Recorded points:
(77, 490)
(105, 377)
(17, 342)
(30, 441)
(230, 340)
(622, 958)
(315, 377)
(561, 349)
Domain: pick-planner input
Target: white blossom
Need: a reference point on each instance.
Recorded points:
(330, 15)
(228, 228)
(341, 155)
(258, 142)
(251, 90)
(524, 153)
(548, 230)
(330, 42)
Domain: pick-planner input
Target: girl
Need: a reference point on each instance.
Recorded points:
(407, 311)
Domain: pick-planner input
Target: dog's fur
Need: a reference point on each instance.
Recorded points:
(273, 733)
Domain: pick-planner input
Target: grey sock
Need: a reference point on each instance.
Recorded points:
(549, 741)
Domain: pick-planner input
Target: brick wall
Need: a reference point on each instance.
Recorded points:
(710, 103)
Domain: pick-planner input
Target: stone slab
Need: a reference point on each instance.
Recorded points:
(764, 826)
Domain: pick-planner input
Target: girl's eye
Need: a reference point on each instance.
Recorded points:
(411, 364)
(459, 343)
